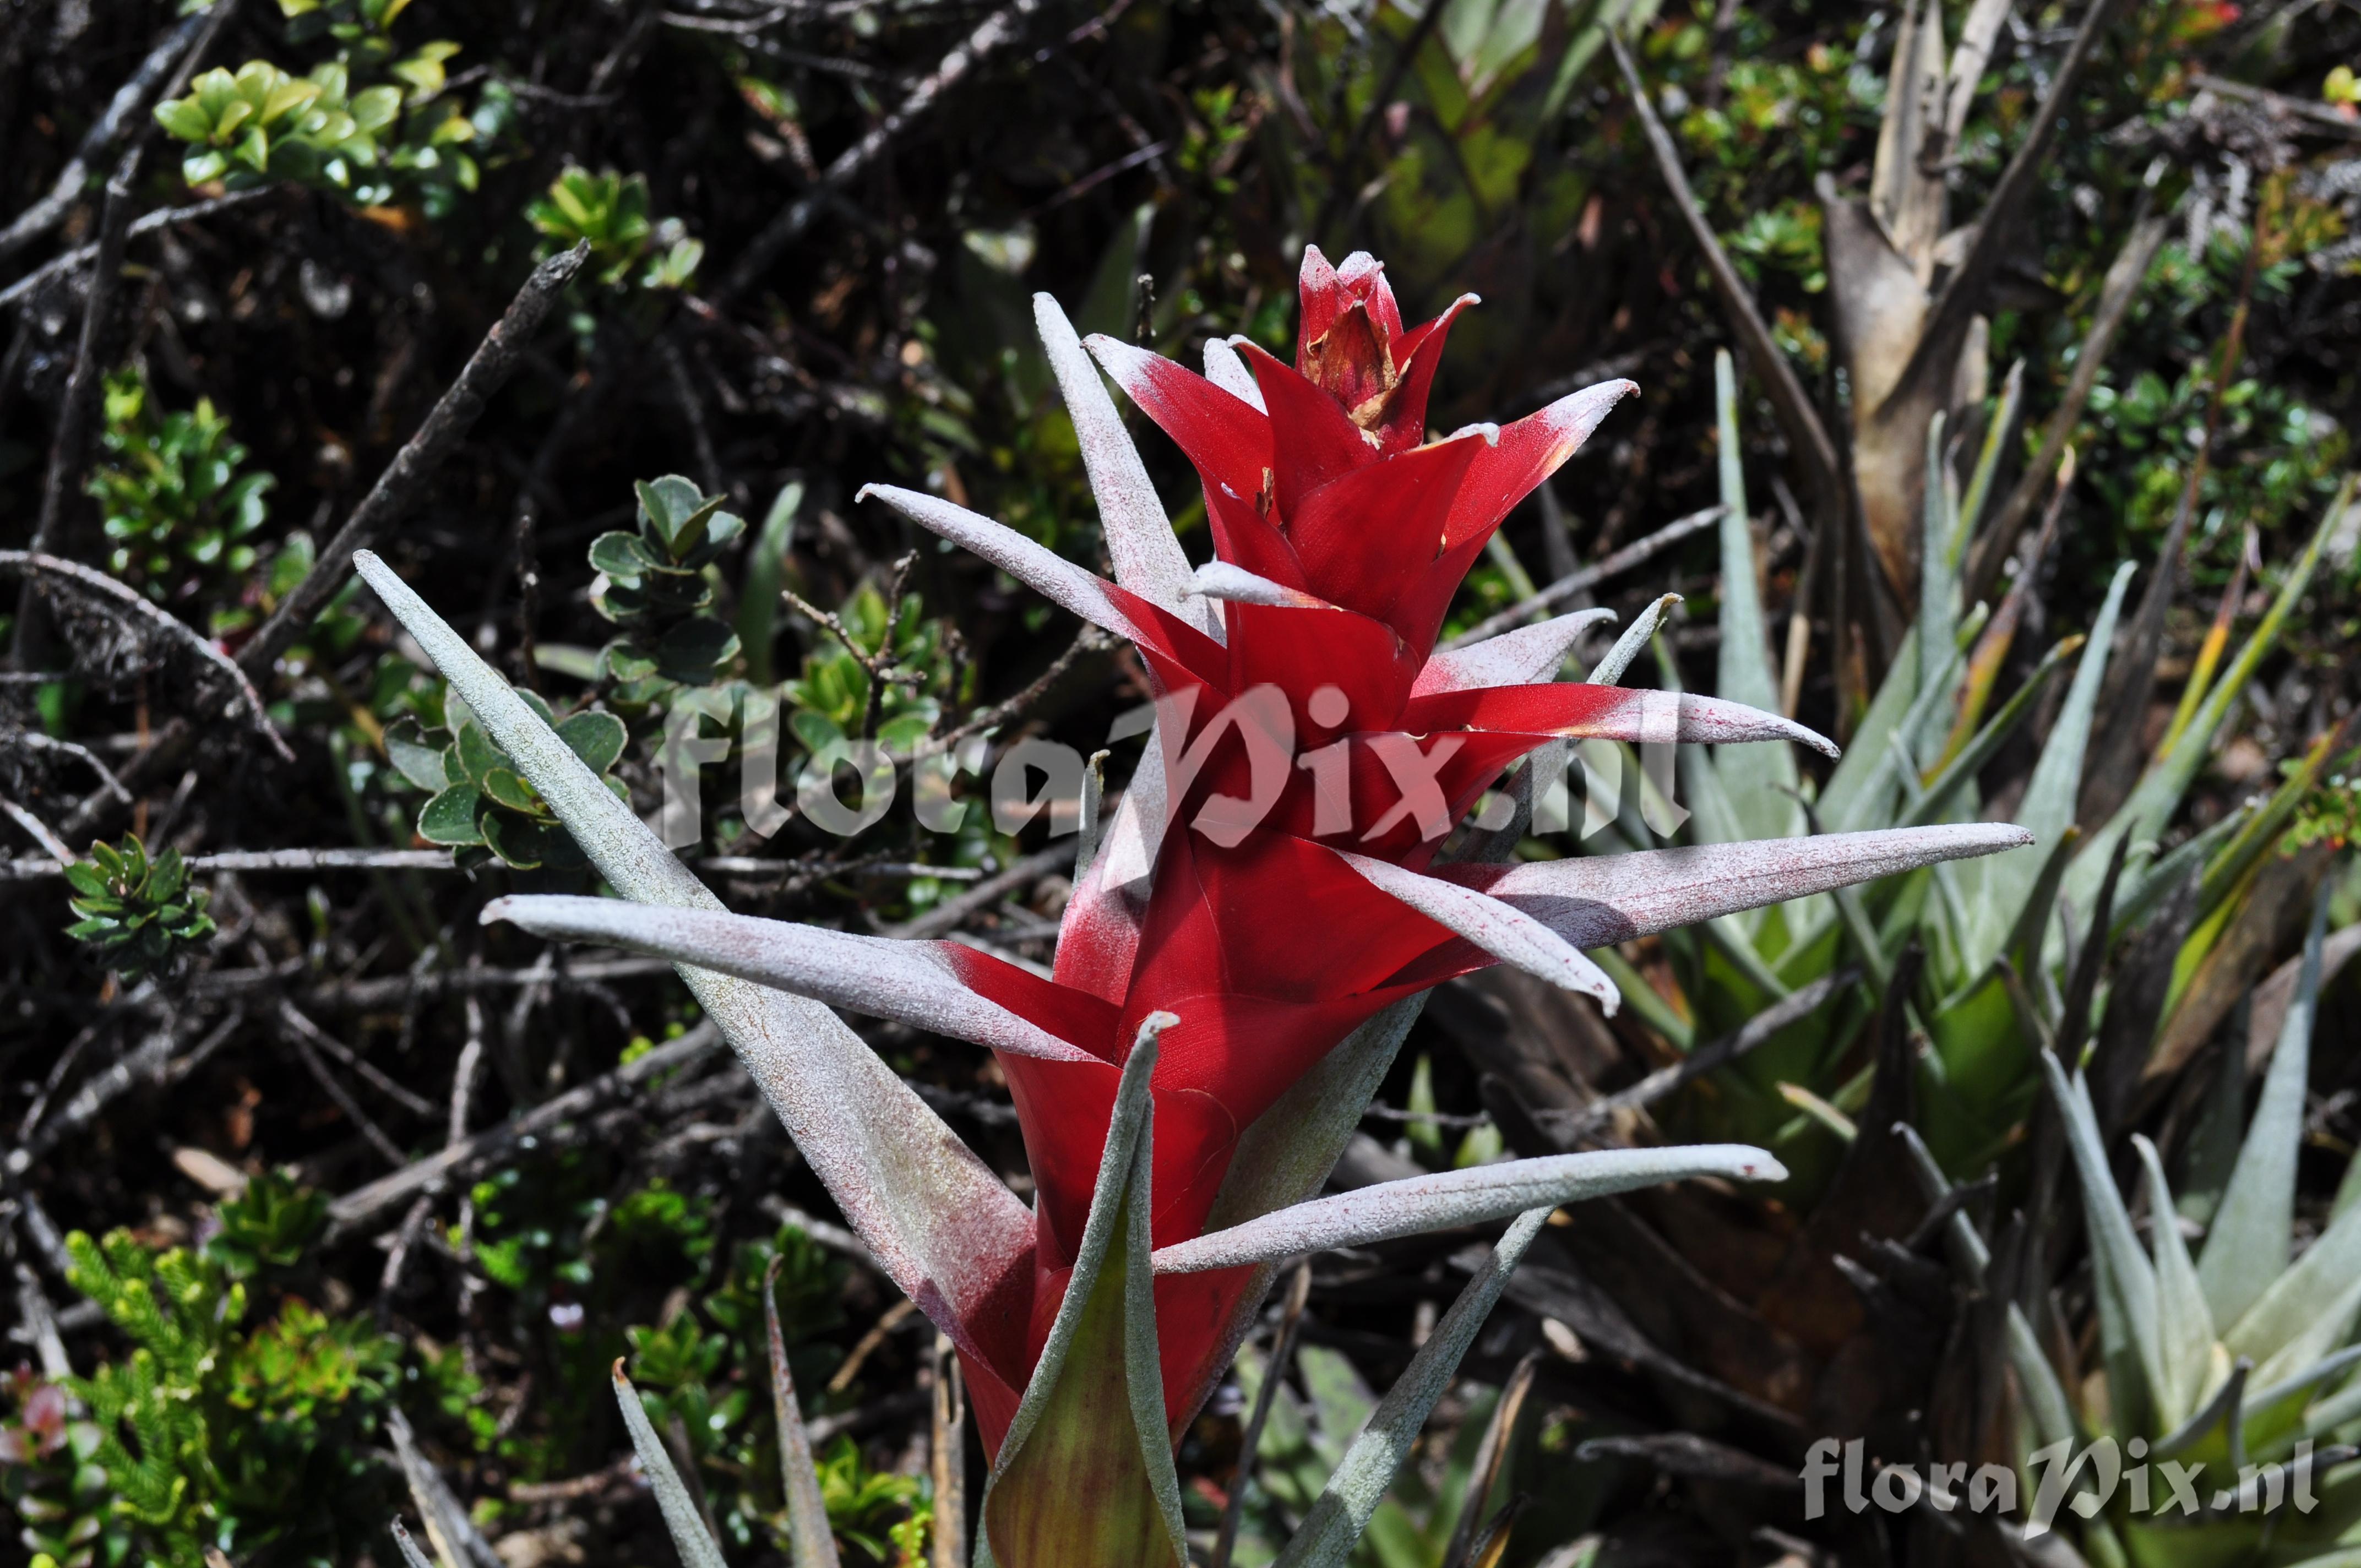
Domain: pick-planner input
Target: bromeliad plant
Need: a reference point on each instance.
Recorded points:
(2005, 939)
(1191, 1071)
(2220, 1361)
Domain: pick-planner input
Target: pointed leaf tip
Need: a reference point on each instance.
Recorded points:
(1450, 1199)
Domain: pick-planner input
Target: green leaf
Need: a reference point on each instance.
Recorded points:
(412, 758)
(2048, 808)
(2184, 1324)
(690, 651)
(450, 817)
(1085, 1474)
(505, 788)
(519, 841)
(185, 118)
(690, 1537)
(2159, 792)
(619, 556)
(2126, 1281)
(478, 755)
(597, 738)
(1758, 779)
(1359, 1483)
(2253, 1231)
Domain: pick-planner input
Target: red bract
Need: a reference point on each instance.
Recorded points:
(1271, 948)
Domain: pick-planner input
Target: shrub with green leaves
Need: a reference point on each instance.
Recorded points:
(653, 584)
(206, 1435)
(610, 212)
(837, 695)
(137, 914)
(179, 502)
(481, 806)
(338, 128)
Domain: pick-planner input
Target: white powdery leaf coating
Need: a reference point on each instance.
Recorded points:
(1454, 1198)
(1035, 565)
(1221, 580)
(1227, 371)
(910, 982)
(1515, 658)
(1563, 427)
(1594, 900)
(942, 1225)
(682, 1520)
(1147, 554)
(1656, 718)
(1506, 932)
(1609, 670)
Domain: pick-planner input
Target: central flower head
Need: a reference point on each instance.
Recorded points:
(1314, 744)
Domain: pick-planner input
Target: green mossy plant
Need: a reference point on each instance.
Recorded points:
(137, 914)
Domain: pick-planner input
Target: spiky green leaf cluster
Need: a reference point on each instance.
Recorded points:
(481, 806)
(267, 1225)
(2003, 937)
(653, 584)
(175, 498)
(137, 914)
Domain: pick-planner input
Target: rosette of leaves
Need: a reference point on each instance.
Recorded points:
(137, 914)
(482, 807)
(174, 495)
(609, 212)
(653, 584)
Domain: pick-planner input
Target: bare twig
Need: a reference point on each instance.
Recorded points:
(124, 111)
(458, 1161)
(946, 915)
(41, 832)
(1963, 295)
(343, 1097)
(1796, 415)
(34, 740)
(1274, 1372)
(82, 255)
(1091, 640)
(404, 481)
(2318, 117)
(1565, 587)
(992, 35)
(2115, 297)
(128, 601)
(292, 1021)
(1705, 1059)
(70, 440)
(946, 1458)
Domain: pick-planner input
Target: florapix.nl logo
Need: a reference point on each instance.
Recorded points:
(2083, 1478)
(846, 787)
